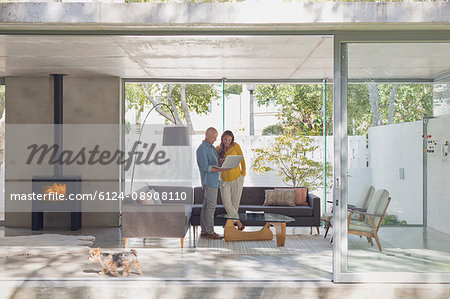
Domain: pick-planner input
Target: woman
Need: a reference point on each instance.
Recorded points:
(231, 181)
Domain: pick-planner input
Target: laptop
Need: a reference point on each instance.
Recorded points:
(231, 162)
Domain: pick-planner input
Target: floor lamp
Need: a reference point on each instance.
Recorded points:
(172, 136)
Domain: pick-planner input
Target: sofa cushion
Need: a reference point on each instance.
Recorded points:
(280, 198)
(301, 194)
(250, 195)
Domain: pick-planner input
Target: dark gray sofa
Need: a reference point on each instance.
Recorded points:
(253, 199)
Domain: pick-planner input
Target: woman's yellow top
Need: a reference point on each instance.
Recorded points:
(233, 174)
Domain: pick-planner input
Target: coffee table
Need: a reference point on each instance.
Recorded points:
(279, 221)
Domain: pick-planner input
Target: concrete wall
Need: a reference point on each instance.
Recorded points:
(94, 101)
(391, 148)
(438, 174)
(312, 16)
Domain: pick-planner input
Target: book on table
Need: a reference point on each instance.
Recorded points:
(254, 214)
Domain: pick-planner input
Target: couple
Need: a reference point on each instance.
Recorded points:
(231, 180)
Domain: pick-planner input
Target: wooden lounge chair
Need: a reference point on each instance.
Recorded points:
(370, 222)
(361, 205)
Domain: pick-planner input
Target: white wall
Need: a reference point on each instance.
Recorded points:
(358, 171)
(438, 177)
(392, 147)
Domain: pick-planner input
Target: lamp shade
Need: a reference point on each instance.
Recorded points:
(251, 87)
(176, 136)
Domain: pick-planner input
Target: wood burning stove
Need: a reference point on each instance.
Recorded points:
(58, 195)
(57, 191)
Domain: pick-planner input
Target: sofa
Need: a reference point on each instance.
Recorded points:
(252, 199)
(172, 218)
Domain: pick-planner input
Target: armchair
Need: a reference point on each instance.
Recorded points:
(171, 219)
(360, 206)
(362, 203)
(371, 219)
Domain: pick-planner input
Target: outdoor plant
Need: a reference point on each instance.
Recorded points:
(290, 158)
(273, 130)
(391, 219)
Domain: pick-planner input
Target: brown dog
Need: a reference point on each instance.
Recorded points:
(112, 261)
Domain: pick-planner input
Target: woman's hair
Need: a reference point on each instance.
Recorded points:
(222, 146)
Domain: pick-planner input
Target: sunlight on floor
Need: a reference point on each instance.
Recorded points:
(164, 259)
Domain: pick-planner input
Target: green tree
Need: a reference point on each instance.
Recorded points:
(233, 89)
(135, 99)
(289, 157)
(358, 109)
(185, 98)
(302, 105)
(396, 103)
(273, 130)
(412, 102)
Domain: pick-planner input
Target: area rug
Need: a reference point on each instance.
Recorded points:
(294, 245)
(46, 244)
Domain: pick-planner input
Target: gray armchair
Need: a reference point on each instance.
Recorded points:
(169, 219)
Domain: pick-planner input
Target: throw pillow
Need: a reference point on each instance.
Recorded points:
(301, 195)
(280, 198)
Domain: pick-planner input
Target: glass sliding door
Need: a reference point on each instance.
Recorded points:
(394, 163)
(2, 145)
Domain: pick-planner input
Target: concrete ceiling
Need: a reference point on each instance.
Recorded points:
(395, 60)
(190, 57)
(282, 57)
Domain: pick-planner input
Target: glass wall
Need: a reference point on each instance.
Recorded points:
(260, 116)
(397, 157)
(281, 129)
(2, 147)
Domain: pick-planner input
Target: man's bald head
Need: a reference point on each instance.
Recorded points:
(211, 135)
(210, 131)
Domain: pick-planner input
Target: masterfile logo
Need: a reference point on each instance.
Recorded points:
(143, 153)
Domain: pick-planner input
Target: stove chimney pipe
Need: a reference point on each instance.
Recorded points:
(58, 119)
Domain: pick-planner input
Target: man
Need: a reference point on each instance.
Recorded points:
(207, 157)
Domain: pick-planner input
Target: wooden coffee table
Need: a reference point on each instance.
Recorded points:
(279, 221)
